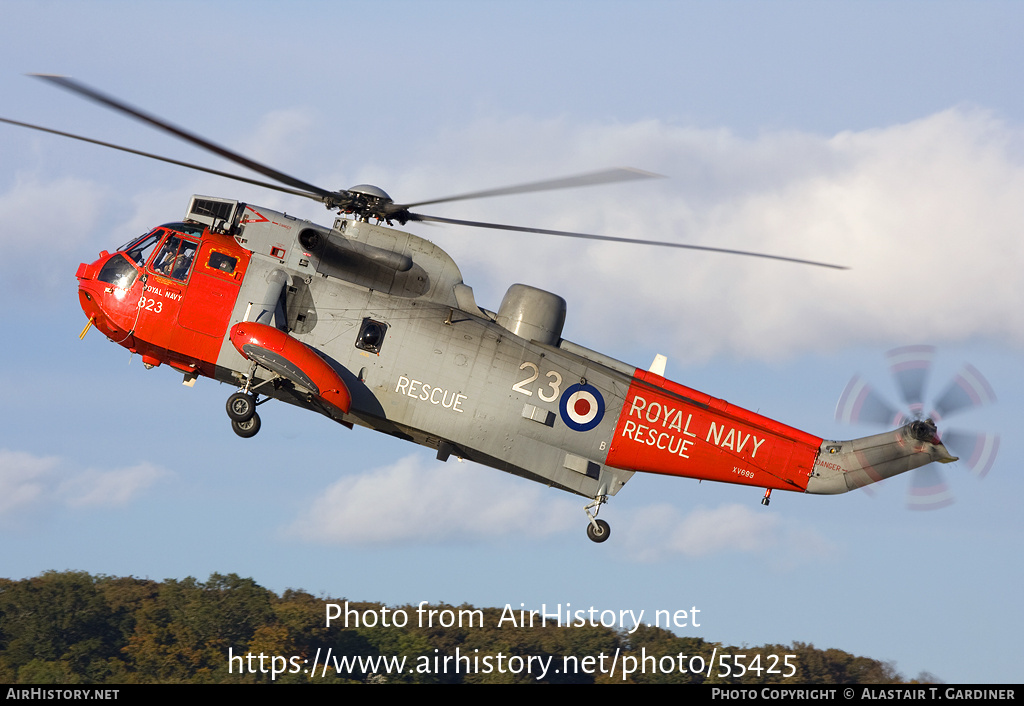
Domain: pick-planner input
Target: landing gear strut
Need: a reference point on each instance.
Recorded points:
(241, 407)
(597, 530)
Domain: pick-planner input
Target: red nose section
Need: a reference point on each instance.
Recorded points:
(293, 360)
(111, 309)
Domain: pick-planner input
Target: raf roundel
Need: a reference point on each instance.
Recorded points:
(581, 407)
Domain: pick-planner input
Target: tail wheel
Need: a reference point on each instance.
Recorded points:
(599, 533)
(248, 428)
(241, 407)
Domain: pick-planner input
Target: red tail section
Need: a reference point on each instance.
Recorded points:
(671, 429)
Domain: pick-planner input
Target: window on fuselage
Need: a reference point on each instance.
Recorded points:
(371, 335)
(222, 263)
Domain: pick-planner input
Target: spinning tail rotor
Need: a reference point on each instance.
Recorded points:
(910, 367)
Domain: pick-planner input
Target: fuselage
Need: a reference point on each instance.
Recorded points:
(390, 314)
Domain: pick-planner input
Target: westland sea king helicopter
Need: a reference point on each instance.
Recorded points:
(371, 325)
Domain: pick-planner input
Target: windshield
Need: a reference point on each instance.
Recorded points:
(118, 272)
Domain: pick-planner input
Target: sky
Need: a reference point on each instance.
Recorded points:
(887, 137)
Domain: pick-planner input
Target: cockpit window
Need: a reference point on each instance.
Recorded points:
(118, 272)
(175, 258)
(140, 250)
(195, 229)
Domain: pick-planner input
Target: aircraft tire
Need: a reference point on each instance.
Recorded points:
(602, 533)
(248, 428)
(241, 407)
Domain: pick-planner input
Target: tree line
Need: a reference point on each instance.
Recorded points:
(76, 628)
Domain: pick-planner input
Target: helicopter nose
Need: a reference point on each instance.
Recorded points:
(89, 271)
(102, 300)
(90, 298)
(91, 307)
(86, 275)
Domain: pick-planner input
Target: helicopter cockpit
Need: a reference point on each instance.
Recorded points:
(167, 294)
(174, 249)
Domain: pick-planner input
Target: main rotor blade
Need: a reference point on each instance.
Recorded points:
(613, 239)
(607, 176)
(93, 95)
(236, 177)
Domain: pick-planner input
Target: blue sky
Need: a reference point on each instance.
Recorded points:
(884, 136)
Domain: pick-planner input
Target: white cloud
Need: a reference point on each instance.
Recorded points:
(418, 501)
(22, 479)
(659, 532)
(108, 488)
(45, 228)
(925, 213)
(280, 136)
(28, 481)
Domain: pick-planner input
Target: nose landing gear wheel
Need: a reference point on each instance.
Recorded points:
(241, 407)
(600, 533)
(248, 428)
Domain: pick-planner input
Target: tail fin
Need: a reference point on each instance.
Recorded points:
(846, 465)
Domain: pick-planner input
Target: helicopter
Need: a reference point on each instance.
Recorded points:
(373, 326)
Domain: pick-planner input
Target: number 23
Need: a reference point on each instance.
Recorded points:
(555, 383)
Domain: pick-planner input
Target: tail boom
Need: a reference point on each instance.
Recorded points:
(842, 466)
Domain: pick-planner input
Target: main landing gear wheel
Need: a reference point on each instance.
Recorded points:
(597, 530)
(600, 533)
(241, 407)
(247, 429)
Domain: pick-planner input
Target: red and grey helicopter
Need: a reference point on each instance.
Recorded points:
(373, 326)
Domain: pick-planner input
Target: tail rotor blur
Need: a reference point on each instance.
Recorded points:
(910, 367)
